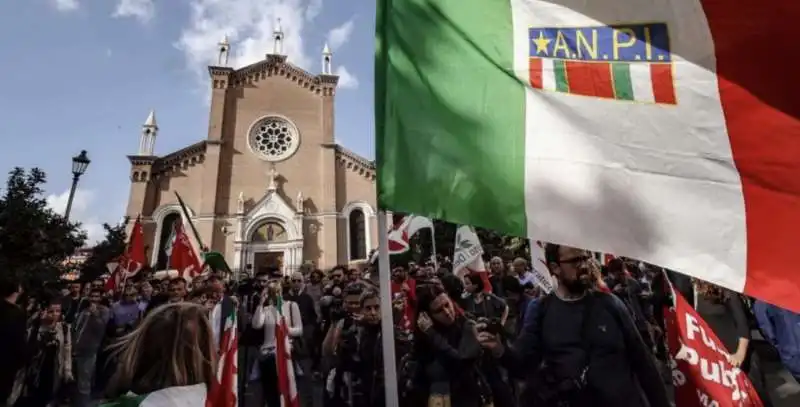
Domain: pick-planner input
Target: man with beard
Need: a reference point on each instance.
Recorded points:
(497, 272)
(580, 347)
(252, 338)
(73, 302)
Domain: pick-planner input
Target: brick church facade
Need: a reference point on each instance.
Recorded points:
(268, 186)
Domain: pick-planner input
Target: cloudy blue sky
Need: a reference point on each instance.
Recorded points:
(83, 74)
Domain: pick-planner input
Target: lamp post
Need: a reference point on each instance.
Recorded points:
(79, 164)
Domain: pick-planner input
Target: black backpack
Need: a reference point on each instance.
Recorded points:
(550, 391)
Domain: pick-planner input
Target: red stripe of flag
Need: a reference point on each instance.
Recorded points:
(759, 98)
(663, 89)
(535, 69)
(590, 79)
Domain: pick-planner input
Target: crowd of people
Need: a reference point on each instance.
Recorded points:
(477, 340)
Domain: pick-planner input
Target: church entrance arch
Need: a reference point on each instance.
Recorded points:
(271, 245)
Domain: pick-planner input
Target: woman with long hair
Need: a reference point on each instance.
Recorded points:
(267, 317)
(725, 313)
(167, 361)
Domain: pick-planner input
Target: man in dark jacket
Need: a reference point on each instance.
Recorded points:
(12, 340)
(580, 346)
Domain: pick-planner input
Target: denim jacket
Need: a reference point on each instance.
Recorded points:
(782, 329)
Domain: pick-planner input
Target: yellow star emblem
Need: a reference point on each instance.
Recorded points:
(541, 43)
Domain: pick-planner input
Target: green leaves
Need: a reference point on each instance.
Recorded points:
(106, 251)
(34, 240)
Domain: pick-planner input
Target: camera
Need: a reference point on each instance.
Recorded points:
(333, 303)
(490, 325)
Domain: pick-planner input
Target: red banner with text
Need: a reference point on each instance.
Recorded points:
(701, 373)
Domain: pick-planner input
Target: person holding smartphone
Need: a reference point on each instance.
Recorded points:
(267, 316)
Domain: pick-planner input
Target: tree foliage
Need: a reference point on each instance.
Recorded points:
(34, 240)
(106, 251)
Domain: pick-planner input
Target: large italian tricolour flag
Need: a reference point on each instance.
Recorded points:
(662, 130)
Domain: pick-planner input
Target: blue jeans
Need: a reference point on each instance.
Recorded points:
(85, 366)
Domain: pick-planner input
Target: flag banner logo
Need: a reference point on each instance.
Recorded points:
(629, 62)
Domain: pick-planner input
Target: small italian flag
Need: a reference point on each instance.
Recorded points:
(665, 131)
(224, 392)
(287, 384)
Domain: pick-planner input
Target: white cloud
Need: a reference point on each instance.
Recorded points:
(341, 34)
(66, 5)
(313, 9)
(249, 25)
(346, 79)
(82, 205)
(142, 10)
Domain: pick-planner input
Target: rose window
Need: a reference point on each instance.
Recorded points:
(274, 138)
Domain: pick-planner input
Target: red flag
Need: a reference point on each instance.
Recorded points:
(287, 386)
(183, 258)
(224, 390)
(701, 373)
(132, 261)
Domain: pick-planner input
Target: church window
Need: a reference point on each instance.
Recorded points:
(358, 235)
(269, 232)
(166, 239)
(274, 138)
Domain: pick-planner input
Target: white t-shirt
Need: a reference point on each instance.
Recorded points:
(267, 317)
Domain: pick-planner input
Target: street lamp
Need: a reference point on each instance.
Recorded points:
(79, 164)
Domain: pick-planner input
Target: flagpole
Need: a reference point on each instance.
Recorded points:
(188, 219)
(387, 318)
(433, 248)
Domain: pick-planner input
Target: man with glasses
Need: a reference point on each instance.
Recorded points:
(580, 346)
(251, 338)
(304, 351)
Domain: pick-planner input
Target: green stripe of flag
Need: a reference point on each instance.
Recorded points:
(623, 88)
(560, 69)
(450, 112)
(126, 401)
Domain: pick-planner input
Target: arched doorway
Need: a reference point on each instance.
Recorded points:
(165, 240)
(271, 236)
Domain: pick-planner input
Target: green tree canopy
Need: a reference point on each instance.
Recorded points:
(106, 251)
(34, 240)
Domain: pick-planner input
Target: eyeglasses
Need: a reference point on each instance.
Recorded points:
(583, 259)
(337, 275)
(297, 280)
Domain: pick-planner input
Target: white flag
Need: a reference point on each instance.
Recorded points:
(468, 253)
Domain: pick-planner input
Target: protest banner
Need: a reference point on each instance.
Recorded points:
(701, 372)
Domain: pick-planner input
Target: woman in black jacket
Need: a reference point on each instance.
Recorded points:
(724, 312)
